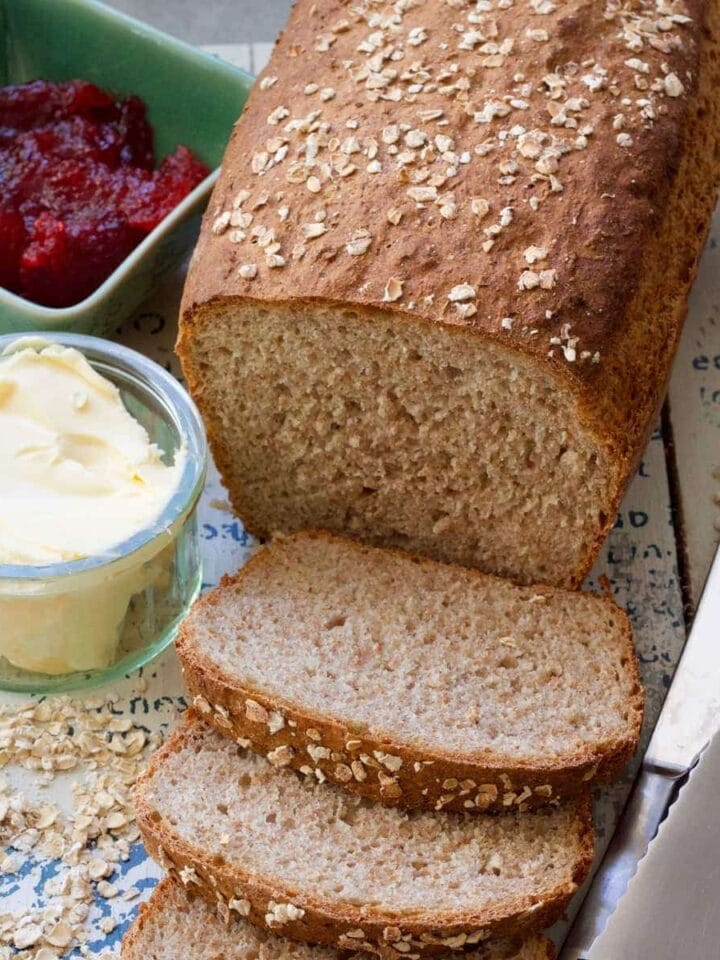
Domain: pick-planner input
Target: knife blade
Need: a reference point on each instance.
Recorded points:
(669, 910)
(689, 718)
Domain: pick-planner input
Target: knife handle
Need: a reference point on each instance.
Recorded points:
(638, 824)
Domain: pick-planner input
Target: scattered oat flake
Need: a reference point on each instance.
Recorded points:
(673, 85)
(45, 953)
(359, 243)
(415, 138)
(324, 41)
(221, 223)
(638, 65)
(461, 292)
(90, 839)
(480, 207)
(313, 230)
(239, 199)
(27, 936)
(529, 280)
(393, 289)
(259, 161)
(240, 219)
(534, 254)
(278, 114)
(422, 194)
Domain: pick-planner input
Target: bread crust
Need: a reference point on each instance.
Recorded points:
(325, 922)
(151, 913)
(130, 946)
(654, 195)
(427, 778)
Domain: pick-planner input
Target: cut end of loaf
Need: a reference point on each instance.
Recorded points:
(173, 919)
(398, 432)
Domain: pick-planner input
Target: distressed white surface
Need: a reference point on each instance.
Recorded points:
(695, 414)
(639, 557)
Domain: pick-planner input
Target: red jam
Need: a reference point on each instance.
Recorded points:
(77, 187)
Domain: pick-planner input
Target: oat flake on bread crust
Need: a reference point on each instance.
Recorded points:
(432, 882)
(417, 684)
(557, 159)
(174, 917)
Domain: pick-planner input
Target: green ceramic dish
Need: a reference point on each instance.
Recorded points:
(192, 98)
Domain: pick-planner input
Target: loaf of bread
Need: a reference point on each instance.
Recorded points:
(412, 682)
(175, 925)
(444, 270)
(312, 863)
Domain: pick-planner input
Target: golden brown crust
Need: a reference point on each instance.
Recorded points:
(615, 192)
(128, 947)
(324, 922)
(151, 914)
(623, 220)
(318, 744)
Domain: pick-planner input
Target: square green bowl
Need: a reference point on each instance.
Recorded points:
(192, 98)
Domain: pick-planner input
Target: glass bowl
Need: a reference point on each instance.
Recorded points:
(114, 612)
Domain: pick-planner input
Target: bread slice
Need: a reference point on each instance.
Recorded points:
(175, 925)
(323, 866)
(414, 682)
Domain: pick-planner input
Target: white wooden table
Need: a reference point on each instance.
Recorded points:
(656, 558)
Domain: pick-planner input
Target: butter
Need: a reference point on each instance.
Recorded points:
(80, 628)
(78, 476)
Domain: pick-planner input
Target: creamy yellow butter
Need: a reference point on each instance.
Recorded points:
(78, 476)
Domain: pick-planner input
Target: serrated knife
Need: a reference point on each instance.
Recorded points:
(688, 720)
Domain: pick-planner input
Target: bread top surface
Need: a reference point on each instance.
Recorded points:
(376, 861)
(174, 925)
(526, 150)
(421, 654)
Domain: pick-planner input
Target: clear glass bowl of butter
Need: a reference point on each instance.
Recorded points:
(103, 458)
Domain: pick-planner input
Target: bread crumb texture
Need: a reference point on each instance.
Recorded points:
(243, 830)
(414, 669)
(444, 270)
(174, 918)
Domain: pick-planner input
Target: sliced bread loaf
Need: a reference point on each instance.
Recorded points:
(414, 682)
(323, 866)
(360, 329)
(174, 925)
